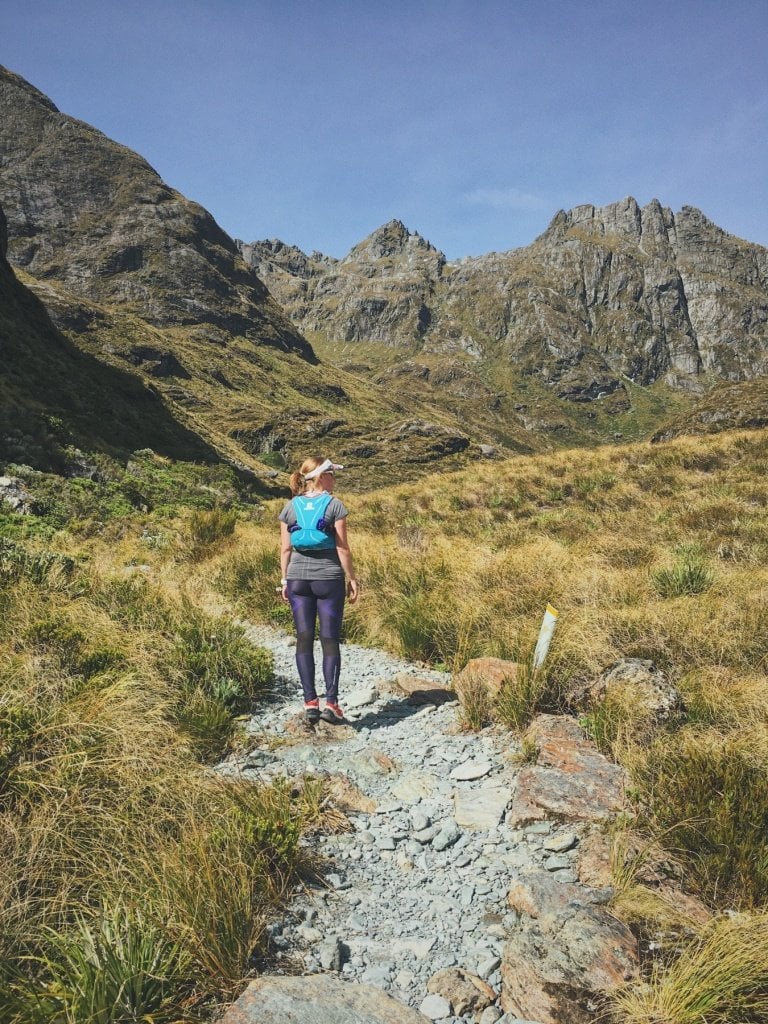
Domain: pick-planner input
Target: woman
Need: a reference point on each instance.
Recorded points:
(314, 556)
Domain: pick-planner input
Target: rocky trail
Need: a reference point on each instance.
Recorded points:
(470, 887)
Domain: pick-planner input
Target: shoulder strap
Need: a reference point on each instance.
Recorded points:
(307, 517)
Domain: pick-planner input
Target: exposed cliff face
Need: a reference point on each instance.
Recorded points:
(93, 216)
(606, 293)
(381, 291)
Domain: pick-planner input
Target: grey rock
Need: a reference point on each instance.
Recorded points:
(557, 863)
(413, 786)
(567, 875)
(447, 835)
(481, 808)
(420, 820)
(435, 1007)
(14, 494)
(361, 697)
(648, 686)
(332, 954)
(562, 842)
(471, 770)
(426, 835)
(377, 974)
(316, 1000)
(486, 967)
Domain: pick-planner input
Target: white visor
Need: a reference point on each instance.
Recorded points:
(322, 468)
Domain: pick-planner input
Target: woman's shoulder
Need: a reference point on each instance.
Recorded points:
(337, 508)
(286, 510)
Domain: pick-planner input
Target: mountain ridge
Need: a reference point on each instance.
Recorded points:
(604, 293)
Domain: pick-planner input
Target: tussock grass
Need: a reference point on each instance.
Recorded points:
(655, 552)
(133, 886)
(719, 978)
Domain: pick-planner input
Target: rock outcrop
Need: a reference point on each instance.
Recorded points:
(317, 1000)
(93, 216)
(381, 291)
(604, 295)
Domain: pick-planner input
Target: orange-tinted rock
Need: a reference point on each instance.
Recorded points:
(566, 952)
(489, 673)
(571, 781)
(464, 991)
(422, 691)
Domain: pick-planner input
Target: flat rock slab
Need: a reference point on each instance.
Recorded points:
(571, 780)
(470, 770)
(317, 999)
(414, 786)
(361, 697)
(482, 808)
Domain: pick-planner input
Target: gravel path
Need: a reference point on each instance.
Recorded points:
(421, 882)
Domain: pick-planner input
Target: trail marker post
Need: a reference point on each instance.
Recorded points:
(548, 624)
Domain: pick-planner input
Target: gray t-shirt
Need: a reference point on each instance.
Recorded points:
(315, 565)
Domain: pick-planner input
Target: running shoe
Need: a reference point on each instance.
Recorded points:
(332, 713)
(312, 711)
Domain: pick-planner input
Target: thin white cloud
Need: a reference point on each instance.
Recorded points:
(506, 199)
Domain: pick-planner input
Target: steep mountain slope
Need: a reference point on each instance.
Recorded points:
(93, 216)
(52, 394)
(604, 297)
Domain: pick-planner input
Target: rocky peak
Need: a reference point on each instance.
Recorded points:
(393, 241)
(272, 255)
(625, 220)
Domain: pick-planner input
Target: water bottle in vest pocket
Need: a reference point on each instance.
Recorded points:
(310, 532)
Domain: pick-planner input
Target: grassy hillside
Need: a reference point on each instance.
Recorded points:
(122, 673)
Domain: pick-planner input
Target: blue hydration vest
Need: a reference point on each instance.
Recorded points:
(309, 533)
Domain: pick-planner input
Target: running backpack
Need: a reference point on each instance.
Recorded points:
(310, 531)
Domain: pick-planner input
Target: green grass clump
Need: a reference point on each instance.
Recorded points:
(689, 575)
(528, 692)
(113, 967)
(215, 656)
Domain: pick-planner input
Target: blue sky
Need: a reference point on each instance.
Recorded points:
(472, 122)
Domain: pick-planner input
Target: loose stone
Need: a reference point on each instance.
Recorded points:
(435, 1007)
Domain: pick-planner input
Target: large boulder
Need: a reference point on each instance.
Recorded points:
(566, 952)
(316, 999)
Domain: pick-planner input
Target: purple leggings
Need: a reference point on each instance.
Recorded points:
(308, 599)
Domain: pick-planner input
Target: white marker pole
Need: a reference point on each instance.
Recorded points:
(548, 624)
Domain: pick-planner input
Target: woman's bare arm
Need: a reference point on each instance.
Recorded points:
(345, 557)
